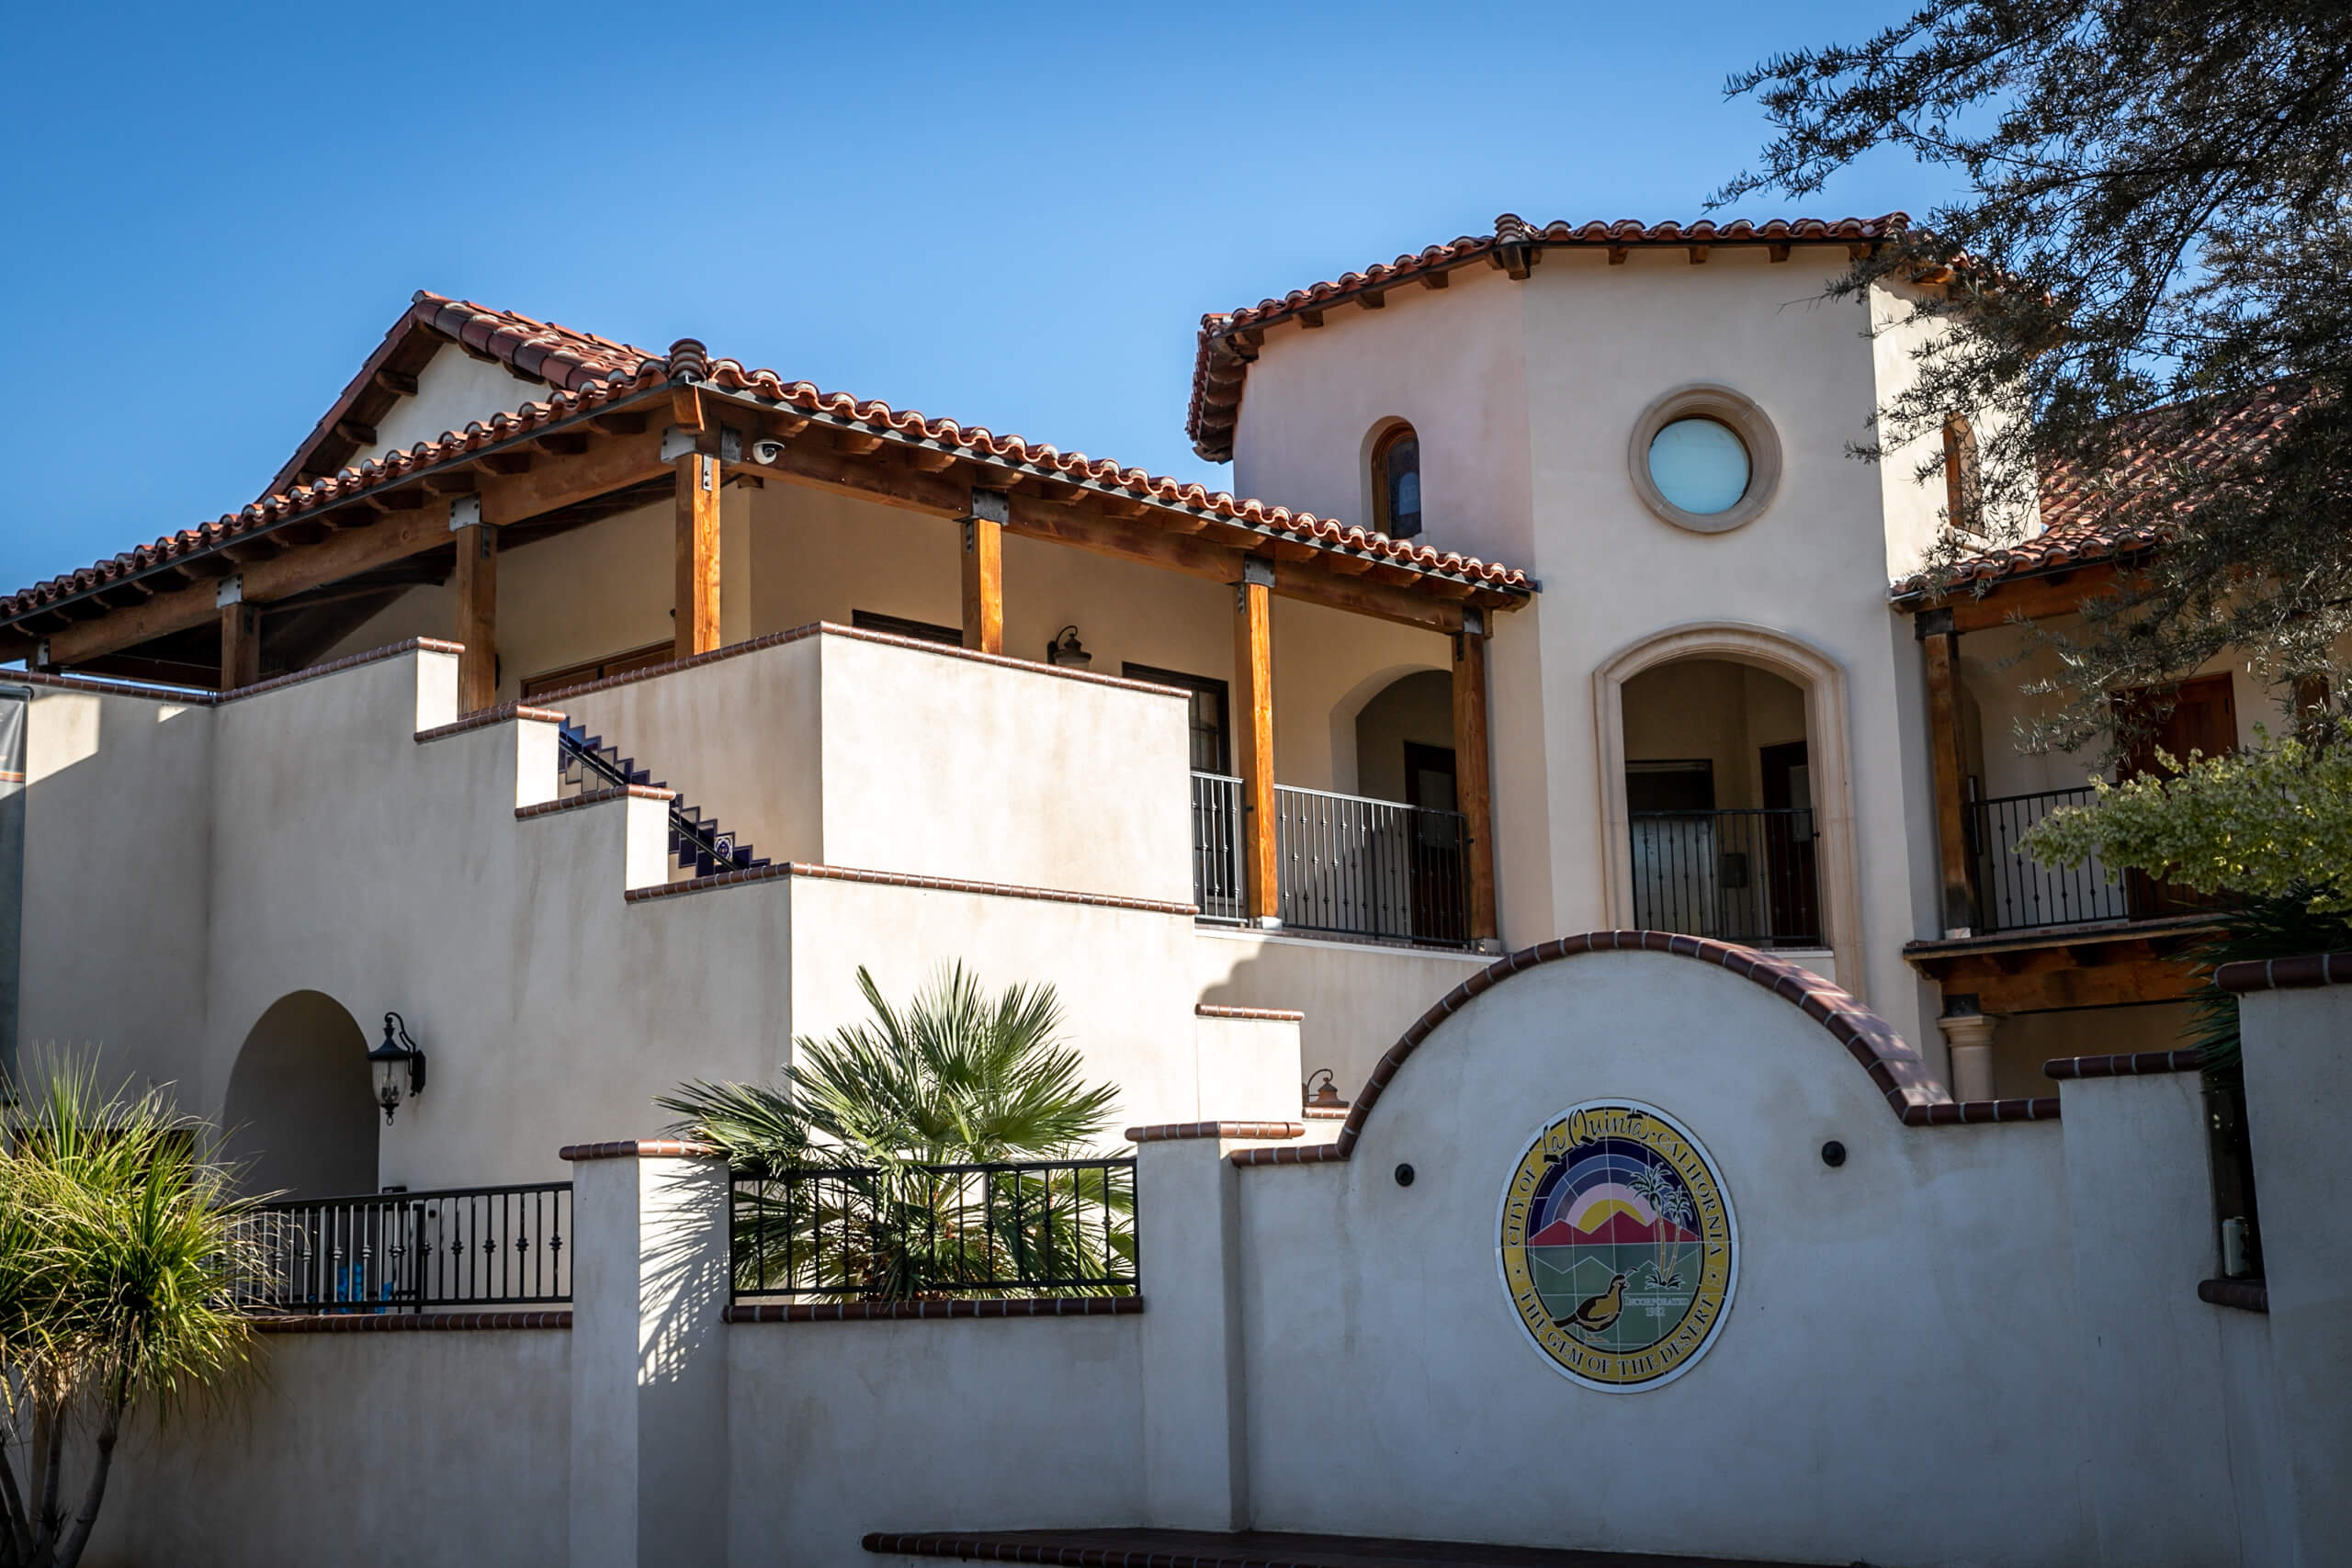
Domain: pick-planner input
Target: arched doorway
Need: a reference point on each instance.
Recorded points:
(1709, 734)
(300, 1113)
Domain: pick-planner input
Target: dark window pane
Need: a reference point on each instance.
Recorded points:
(1403, 479)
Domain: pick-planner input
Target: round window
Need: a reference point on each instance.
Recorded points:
(1700, 466)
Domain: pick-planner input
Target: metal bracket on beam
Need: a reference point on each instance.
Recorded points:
(1474, 620)
(992, 506)
(677, 441)
(1257, 569)
(1931, 623)
(41, 661)
(465, 512)
(230, 590)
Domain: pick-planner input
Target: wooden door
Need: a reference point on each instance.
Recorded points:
(1439, 889)
(2202, 720)
(1793, 879)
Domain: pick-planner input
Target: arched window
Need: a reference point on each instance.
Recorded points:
(1397, 482)
(1963, 479)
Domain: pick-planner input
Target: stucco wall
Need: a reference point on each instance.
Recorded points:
(1524, 395)
(1910, 1292)
(1358, 998)
(420, 1449)
(118, 797)
(835, 1429)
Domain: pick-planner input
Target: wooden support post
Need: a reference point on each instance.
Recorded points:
(1253, 734)
(1473, 786)
(984, 572)
(240, 645)
(477, 625)
(1941, 646)
(696, 604)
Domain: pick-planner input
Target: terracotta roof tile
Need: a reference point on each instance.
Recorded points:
(1219, 366)
(2130, 505)
(587, 372)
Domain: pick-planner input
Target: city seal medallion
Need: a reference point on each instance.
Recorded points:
(1618, 1248)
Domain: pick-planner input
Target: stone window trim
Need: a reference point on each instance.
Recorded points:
(1822, 679)
(1702, 400)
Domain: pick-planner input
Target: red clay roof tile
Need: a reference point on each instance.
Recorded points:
(2131, 504)
(588, 372)
(1219, 368)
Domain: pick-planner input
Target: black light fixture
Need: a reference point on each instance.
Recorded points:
(1322, 1094)
(397, 1051)
(1066, 651)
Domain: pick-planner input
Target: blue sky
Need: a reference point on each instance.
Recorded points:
(1011, 218)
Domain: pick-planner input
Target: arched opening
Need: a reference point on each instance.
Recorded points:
(1726, 783)
(1397, 481)
(1404, 747)
(300, 1113)
(1963, 476)
(1719, 805)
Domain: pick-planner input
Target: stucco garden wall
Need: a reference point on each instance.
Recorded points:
(1912, 1291)
(423, 1449)
(838, 1429)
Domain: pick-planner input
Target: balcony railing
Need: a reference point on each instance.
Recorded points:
(2015, 892)
(1748, 877)
(911, 1233)
(405, 1251)
(1345, 864)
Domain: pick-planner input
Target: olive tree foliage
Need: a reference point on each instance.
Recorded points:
(2159, 210)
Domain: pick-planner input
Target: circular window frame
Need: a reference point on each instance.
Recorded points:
(1744, 419)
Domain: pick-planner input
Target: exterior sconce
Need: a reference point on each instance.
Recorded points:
(1066, 652)
(398, 1050)
(1327, 1097)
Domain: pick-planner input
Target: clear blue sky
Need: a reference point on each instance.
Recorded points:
(1010, 217)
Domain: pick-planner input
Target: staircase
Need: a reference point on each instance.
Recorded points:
(699, 846)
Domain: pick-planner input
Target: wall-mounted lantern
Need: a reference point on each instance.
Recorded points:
(1066, 652)
(1322, 1094)
(396, 1054)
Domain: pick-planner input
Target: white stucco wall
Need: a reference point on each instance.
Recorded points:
(1358, 998)
(421, 1448)
(453, 390)
(836, 1429)
(1889, 1332)
(1537, 387)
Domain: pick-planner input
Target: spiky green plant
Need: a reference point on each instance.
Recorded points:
(119, 1238)
(873, 1136)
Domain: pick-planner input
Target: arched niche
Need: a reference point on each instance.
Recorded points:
(1822, 682)
(301, 1114)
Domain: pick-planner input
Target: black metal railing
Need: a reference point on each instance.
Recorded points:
(1217, 887)
(1345, 864)
(406, 1251)
(694, 839)
(911, 1233)
(1358, 867)
(1749, 877)
(2015, 892)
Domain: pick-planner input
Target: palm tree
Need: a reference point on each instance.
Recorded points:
(119, 1238)
(890, 1162)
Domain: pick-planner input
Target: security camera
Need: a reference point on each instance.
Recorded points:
(767, 451)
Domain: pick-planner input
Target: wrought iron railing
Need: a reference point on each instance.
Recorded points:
(1216, 847)
(405, 1251)
(1345, 864)
(2015, 892)
(694, 840)
(911, 1233)
(1749, 877)
(1358, 867)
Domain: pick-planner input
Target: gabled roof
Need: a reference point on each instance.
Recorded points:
(587, 373)
(2129, 506)
(536, 351)
(1227, 342)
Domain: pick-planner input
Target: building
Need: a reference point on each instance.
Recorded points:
(599, 712)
